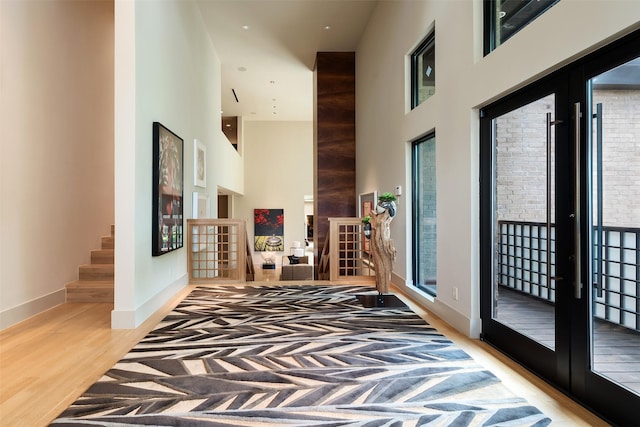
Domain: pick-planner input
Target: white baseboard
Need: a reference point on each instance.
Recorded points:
(11, 316)
(131, 319)
(463, 324)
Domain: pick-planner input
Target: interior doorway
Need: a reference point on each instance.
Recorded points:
(223, 206)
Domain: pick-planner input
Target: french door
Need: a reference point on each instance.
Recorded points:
(560, 234)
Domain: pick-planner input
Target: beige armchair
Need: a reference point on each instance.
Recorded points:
(301, 271)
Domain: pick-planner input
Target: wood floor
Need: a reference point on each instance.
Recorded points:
(46, 362)
(616, 350)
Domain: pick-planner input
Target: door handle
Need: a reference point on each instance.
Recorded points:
(548, 247)
(550, 123)
(577, 265)
(599, 285)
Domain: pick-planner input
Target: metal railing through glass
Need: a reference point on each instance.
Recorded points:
(522, 265)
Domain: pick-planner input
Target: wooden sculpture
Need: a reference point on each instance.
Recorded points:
(384, 254)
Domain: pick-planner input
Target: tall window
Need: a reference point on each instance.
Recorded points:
(424, 213)
(423, 71)
(504, 18)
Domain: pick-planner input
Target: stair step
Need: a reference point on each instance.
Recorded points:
(96, 272)
(107, 242)
(102, 256)
(89, 291)
(96, 280)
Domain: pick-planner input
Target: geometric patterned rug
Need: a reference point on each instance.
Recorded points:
(296, 355)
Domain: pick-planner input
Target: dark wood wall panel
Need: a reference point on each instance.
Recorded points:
(334, 141)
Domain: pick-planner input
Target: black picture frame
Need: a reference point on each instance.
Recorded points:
(168, 191)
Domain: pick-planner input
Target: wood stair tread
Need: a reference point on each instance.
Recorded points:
(90, 291)
(107, 242)
(97, 267)
(90, 283)
(102, 256)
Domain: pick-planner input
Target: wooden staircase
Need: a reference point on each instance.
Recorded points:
(95, 280)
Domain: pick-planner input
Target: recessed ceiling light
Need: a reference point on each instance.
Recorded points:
(228, 125)
(245, 27)
(242, 69)
(327, 27)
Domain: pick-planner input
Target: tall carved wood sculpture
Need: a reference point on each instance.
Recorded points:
(384, 254)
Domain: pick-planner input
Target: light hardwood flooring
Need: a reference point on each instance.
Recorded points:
(268, 275)
(562, 410)
(48, 361)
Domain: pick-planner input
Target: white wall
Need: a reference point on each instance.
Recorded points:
(56, 161)
(278, 174)
(465, 81)
(167, 70)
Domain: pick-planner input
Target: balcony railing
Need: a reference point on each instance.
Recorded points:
(219, 251)
(522, 265)
(346, 255)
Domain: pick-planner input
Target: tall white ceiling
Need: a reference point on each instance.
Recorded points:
(268, 47)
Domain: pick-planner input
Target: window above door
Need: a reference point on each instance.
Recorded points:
(504, 18)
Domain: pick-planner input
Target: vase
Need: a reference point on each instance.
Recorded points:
(366, 227)
(388, 206)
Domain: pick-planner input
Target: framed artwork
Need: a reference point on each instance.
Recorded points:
(168, 191)
(199, 164)
(366, 203)
(268, 230)
(201, 208)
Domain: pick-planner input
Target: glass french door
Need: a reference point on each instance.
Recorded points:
(608, 360)
(560, 235)
(526, 224)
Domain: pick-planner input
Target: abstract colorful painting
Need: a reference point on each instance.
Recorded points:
(268, 230)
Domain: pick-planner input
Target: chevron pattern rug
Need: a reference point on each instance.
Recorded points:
(296, 356)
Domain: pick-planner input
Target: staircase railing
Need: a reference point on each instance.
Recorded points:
(218, 251)
(346, 255)
(323, 261)
(249, 267)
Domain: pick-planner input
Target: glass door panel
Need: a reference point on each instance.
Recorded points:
(424, 214)
(615, 224)
(523, 215)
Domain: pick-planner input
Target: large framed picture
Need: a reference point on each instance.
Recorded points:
(168, 190)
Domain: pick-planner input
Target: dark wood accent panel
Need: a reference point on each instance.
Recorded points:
(334, 141)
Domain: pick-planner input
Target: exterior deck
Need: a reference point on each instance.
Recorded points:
(616, 349)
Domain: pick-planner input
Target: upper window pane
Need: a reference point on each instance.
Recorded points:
(423, 71)
(504, 18)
